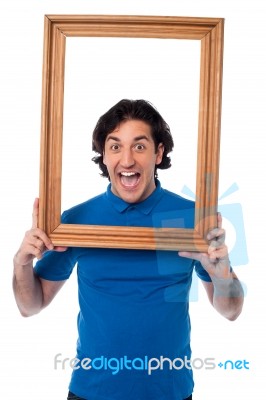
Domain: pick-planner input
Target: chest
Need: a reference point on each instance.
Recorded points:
(130, 272)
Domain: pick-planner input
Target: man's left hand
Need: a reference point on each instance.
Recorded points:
(215, 261)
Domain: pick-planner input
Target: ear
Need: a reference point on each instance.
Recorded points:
(159, 154)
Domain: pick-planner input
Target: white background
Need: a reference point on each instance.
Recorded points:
(28, 346)
(101, 71)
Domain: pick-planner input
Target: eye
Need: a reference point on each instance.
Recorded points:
(139, 147)
(115, 147)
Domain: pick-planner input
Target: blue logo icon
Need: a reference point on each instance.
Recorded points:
(232, 212)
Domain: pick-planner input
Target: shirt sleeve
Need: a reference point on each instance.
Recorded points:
(201, 272)
(55, 266)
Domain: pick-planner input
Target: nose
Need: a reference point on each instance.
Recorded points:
(127, 158)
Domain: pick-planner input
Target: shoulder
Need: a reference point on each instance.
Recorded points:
(79, 213)
(176, 200)
(173, 211)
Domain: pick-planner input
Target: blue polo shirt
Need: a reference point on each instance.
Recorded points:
(133, 324)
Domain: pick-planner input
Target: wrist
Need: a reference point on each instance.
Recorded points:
(227, 287)
(20, 263)
(222, 280)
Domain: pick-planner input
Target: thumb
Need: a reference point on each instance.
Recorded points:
(35, 213)
(191, 254)
(60, 248)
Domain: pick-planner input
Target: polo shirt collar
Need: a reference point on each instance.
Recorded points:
(144, 206)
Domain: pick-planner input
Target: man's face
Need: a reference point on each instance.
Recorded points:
(130, 158)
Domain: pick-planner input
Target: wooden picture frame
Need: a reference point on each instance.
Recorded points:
(210, 32)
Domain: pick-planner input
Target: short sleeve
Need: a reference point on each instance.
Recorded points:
(55, 266)
(201, 272)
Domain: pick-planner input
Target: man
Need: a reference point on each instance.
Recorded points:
(133, 324)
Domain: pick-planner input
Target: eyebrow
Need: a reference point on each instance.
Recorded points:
(136, 139)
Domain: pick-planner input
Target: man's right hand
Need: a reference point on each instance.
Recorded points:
(33, 293)
(35, 242)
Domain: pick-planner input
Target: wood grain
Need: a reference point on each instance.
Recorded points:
(210, 32)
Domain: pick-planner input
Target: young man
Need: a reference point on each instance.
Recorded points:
(133, 324)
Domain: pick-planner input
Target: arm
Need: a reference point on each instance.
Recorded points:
(225, 291)
(227, 299)
(32, 293)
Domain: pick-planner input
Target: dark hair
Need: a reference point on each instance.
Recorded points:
(132, 110)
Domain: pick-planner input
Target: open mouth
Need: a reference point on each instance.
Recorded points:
(129, 179)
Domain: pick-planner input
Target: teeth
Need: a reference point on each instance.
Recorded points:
(128, 173)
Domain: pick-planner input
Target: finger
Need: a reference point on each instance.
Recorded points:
(36, 252)
(216, 233)
(219, 220)
(38, 244)
(218, 253)
(60, 248)
(27, 253)
(218, 243)
(214, 249)
(191, 254)
(186, 254)
(35, 213)
(37, 234)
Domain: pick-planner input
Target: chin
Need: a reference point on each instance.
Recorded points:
(130, 197)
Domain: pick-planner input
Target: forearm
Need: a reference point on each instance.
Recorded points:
(228, 297)
(27, 289)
